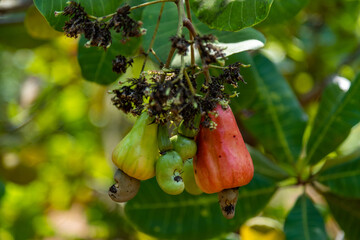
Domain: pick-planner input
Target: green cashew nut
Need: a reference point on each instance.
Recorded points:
(189, 178)
(186, 147)
(168, 173)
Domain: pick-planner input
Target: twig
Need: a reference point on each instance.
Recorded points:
(154, 36)
(156, 56)
(188, 13)
(189, 83)
(150, 3)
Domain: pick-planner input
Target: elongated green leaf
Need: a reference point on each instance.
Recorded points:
(284, 10)
(304, 222)
(338, 112)
(193, 217)
(346, 212)
(231, 15)
(96, 63)
(93, 7)
(275, 118)
(343, 179)
(265, 166)
(168, 27)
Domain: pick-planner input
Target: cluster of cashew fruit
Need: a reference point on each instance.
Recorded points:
(209, 161)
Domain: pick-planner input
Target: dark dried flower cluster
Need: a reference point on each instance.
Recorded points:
(78, 19)
(209, 51)
(171, 99)
(130, 96)
(166, 96)
(232, 74)
(98, 32)
(120, 64)
(121, 22)
(180, 43)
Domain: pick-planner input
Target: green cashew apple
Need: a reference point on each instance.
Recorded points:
(186, 147)
(189, 178)
(138, 151)
(168, 173)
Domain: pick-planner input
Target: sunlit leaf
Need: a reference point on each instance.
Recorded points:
(338, 112)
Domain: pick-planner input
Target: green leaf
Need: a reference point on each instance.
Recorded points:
(96, 63)
(284, 10)
(276, 118)
(343, 179)
(231, 15)
(93, 7)
(346, 212)
(352, 142)
(37, 26)
(2, 189)
(304, 221)
(193, 217)
(265, 166)
(338, 112)
(168, 27)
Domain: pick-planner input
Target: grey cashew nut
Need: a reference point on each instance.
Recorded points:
(125, 187)
(227, 200)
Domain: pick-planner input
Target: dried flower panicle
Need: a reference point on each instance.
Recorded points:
(167, 98)
(78, 20)
(130, 96)
(98, 34)
(120, 64)
(171, 98)
(232, 74)
(181, 44)
(96, 31)
(121, 22)
(209, 51)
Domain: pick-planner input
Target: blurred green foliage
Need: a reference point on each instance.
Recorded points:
(57, 131)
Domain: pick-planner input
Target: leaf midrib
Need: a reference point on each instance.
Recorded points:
(333, 176)
(199, 201)
(338, 108)
(277, 124)
(305, 218)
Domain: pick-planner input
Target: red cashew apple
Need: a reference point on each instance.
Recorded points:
(222, 159)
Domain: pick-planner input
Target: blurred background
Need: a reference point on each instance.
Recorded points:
(57, 131)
